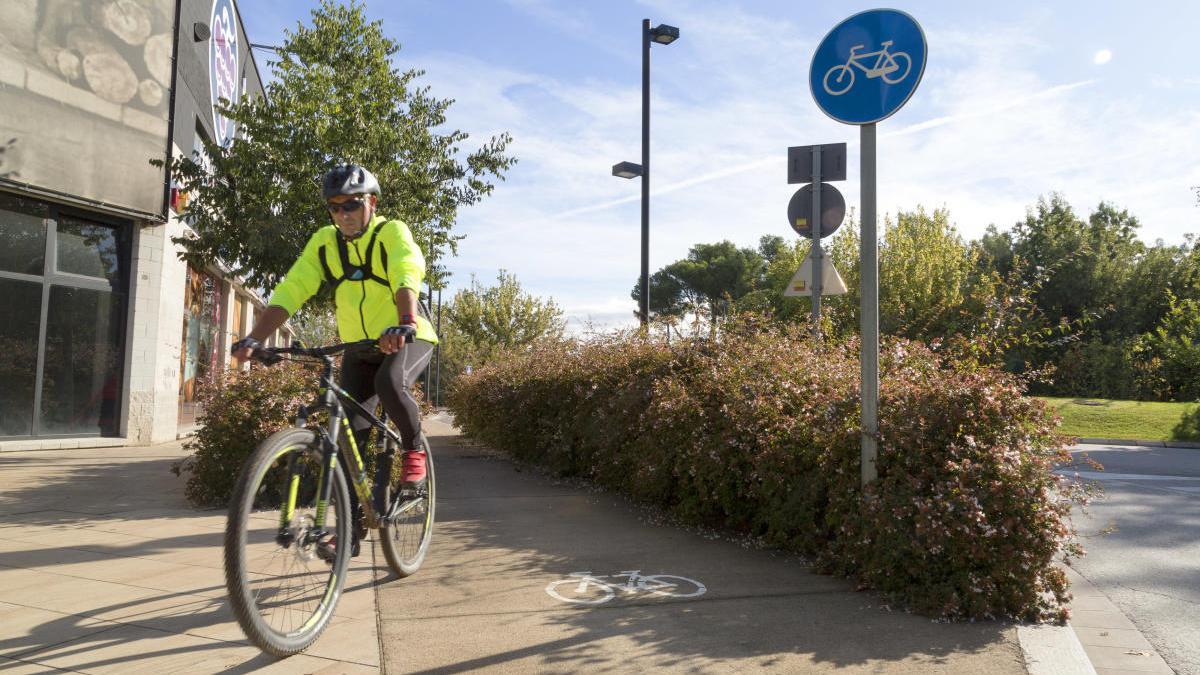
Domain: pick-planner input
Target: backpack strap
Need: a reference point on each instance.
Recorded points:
(349, 271)
(356, 272)
(369, 272)
(329, 278)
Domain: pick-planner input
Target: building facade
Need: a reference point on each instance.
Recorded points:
(106, 335)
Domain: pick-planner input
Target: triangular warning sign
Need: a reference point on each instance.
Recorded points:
(800, 285)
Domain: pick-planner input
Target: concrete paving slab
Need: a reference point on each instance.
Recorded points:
(16, 667)
(29, 629)
(1122, 658)
(1101, 619)
(140, 587)
(131, 649)
(69, 595)
(1112, 637)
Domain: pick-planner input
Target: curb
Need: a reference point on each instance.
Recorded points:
(1098, 635)
(1108, 639)
(1141, 443)
(1053, 650)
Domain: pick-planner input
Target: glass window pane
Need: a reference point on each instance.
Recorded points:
(81, 381)
(20, 314)
(90, 249)
(22, 235)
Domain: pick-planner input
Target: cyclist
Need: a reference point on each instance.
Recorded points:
(376, 269)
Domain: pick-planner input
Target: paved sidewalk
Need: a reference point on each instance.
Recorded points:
(105, 569)
(480, 603)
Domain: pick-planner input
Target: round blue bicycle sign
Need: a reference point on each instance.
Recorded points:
(868, 66)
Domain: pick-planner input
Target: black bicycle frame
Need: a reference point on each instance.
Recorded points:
(335, 399)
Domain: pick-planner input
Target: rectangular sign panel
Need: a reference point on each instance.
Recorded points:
(833, 162)
(85, 91)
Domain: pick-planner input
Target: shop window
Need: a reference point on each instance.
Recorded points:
(20, 315)
(81, 383)
(88, 249)
(61, 324)
(22, 235)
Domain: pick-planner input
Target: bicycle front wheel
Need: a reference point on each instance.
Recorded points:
(286, 556)
(408, 526)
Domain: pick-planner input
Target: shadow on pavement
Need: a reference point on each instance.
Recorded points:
(505, 534)
(103, 563)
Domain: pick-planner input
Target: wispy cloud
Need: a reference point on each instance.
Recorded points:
(986, 134)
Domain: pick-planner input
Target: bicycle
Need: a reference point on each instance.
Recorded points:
(589, 589)
(290, 529)
(887, 64)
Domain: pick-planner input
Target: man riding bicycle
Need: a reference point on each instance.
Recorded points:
(376, 269)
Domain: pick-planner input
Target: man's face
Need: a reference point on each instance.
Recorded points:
(351, 213)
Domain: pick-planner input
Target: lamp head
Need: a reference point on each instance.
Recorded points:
(627, 170)
(664, 34)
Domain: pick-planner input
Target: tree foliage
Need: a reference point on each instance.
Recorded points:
(1076, 306)
(335, 96)
(482, 322)
(705, 282)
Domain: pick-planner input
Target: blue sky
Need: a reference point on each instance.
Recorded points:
(1097, 100)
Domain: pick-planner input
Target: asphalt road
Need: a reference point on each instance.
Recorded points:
(1143, 543)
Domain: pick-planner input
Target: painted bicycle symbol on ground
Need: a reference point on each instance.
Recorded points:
(584, 588)
(893, 67)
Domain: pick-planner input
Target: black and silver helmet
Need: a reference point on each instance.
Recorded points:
(348, 179)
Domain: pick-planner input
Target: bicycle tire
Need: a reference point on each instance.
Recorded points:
(405, 542)
(251, 548)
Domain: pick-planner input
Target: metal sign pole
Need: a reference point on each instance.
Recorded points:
(817, 253)
(869, 308)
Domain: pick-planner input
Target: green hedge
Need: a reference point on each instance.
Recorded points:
(758, 432)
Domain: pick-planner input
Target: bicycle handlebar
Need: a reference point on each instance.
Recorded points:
(272, 355)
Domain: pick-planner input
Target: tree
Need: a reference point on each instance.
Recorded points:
(1088, 263)
(481, 323)
(994, 252)
(669, 300)
(924, 274)
(1173, 349)
(705, 282)
(334, 97)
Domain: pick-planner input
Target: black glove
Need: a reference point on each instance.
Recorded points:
(257, 352)
(246, 343)
(407, 331)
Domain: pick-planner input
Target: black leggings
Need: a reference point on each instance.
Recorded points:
(371, 376)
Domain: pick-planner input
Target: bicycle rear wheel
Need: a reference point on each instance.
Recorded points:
(284, 574)
(408, 526)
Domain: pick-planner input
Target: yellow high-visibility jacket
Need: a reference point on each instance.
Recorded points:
(365, 291)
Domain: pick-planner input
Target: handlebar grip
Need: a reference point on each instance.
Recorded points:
(265, 357)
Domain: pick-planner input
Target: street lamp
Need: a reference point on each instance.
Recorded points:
(663, 35)
(627, 170)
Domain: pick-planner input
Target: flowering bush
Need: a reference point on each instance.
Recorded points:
(240, 410)
(758, 431)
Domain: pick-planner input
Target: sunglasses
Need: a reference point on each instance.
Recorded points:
(348, 206)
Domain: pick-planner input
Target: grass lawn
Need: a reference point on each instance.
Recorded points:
(1103, 418)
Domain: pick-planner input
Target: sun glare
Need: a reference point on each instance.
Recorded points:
(1102, 57)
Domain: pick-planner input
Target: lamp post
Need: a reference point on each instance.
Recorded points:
(664, 35)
